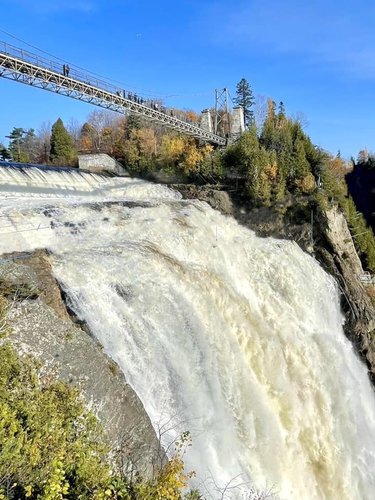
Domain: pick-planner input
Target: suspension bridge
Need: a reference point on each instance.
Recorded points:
(25, 67)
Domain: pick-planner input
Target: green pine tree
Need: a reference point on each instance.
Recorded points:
(62, 145)
(268, 136)
(4, 153)
(281, 115)
(245, 99)
(16, 145)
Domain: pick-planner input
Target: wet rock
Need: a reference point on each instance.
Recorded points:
(339, 257)
(42, 327)
(217, 199)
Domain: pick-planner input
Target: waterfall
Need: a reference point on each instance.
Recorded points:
(236, 338)
(52, 182)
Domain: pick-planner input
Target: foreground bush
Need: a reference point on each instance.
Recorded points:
(52, 448)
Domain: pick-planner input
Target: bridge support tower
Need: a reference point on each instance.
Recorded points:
(237, 123)
(206, 120)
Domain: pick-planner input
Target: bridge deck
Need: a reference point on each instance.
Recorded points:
(24, 67)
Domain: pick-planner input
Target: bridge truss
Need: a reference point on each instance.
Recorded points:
(24, 67)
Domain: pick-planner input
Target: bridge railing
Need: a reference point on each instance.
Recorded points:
(56, 67)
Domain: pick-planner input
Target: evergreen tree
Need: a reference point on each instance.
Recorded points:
(245, 99)
(62, 145)
(133, 122)
(281, 111)
(4, 153)
(268, 137)
(16, 143)
(30, 145)
(300, 165)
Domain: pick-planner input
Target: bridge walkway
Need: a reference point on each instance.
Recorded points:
(28, 68)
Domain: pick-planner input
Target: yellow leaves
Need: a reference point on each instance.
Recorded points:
(86, 143)
(168, 484)
(44, 432)
(271, 171)
(139, 149)
(338, 168)
(270, 108)
(171, 148)
(107, 132)
(183, 153)
(146, 140)
(306, 184)
(207, 149)
(193, 159)
(171, 479)
(191, 116)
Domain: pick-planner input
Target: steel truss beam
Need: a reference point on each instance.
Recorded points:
(21, 70)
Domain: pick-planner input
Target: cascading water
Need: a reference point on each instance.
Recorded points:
(233, 337)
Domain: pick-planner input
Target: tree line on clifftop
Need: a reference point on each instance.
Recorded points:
(272, 160)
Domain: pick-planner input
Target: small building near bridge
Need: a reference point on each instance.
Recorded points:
(101, 163)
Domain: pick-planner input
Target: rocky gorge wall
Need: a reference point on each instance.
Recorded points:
(42, 326)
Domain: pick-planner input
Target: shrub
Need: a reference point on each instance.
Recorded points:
(53, 448)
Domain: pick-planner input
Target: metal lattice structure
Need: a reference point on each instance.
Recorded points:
(24, 67)
(221, 112)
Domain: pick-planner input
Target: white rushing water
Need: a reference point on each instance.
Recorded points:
(236, 338)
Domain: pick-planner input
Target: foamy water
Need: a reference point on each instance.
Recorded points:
(236, 338)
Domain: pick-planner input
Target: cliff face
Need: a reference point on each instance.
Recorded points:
(41, 326)
(337, 254)
(328, 239)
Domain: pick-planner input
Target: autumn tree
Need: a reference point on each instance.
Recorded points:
(363, 156)
(191, 116)
(43, 143)
(138, 151)
(74, 129)
(244, 98)
(192, 157)
(86, 138)
(62, 145)
(171, 151)
(102, 122)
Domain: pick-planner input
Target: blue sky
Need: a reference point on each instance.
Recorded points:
(318, 57)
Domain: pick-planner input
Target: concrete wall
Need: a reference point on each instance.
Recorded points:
(206, 121)
(101, 162)
(238, 122)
